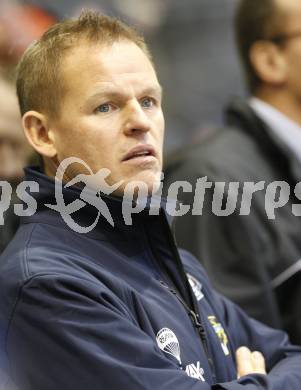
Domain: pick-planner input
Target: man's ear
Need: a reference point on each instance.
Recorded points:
(39, 135)
(269, 63)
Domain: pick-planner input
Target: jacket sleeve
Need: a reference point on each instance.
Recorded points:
(283, 360)
(70, 334)
(66, 334)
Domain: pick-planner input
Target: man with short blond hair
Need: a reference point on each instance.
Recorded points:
(40, 83)
(119, 306)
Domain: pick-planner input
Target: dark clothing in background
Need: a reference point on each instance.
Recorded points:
(8, 230)
(109, 309)
(253, 260)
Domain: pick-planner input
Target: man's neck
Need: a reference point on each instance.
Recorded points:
(287, 104)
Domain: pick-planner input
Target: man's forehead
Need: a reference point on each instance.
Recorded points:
(288, 8)
(121, 56)
(105, 68)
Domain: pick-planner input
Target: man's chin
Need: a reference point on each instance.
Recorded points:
(141, 186)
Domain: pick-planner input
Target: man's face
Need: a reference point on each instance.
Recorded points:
(111, 114)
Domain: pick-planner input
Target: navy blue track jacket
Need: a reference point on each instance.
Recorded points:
(121, 308)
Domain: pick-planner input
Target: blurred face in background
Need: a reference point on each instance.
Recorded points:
(14, 150)
(290, 46)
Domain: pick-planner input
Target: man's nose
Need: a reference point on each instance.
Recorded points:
(137, 120)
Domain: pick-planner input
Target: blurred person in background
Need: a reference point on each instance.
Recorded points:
(254, 260)
(20, 24)
(13, 148)
(14, 153)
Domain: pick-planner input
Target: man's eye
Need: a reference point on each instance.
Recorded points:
(147, 102)
(104, 108)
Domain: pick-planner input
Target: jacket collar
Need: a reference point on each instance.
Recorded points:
(149, 230)
(87, 215)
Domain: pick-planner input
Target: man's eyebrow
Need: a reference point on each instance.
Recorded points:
(108, 92)
(105, 92)
(153, 90)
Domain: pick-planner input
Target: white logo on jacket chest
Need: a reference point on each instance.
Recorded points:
(196, 287)
(195, 371)
(168, 342)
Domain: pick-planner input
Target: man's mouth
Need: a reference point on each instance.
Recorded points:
(140, 152)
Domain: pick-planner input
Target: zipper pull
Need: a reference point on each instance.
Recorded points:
(193, 315)
(196, 321)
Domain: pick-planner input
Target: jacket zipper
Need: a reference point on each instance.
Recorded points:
(192, 312)
(195, 319)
